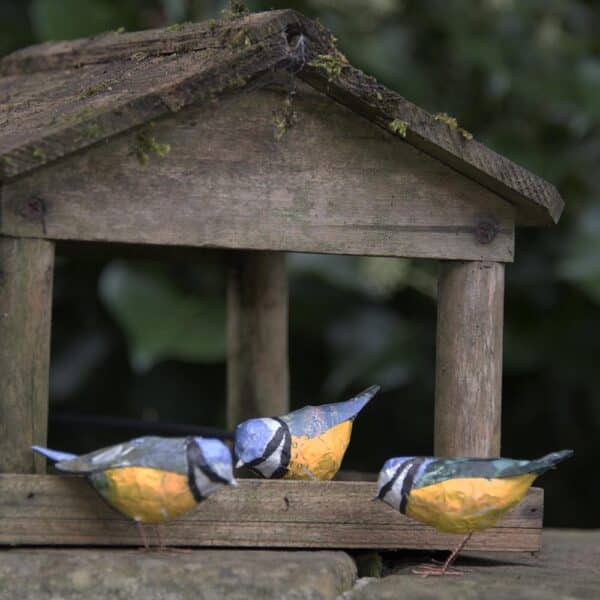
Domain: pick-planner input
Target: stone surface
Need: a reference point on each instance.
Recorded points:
(567, 567)
(199, 574)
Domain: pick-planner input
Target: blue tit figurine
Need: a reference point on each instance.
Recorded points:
(152, 479)
(305, 444)
(458, 495)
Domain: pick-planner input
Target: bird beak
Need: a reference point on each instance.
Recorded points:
(239, 464)
(375, 498)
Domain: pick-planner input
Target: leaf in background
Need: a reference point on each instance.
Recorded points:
(581, 265)
(339, 271)
(159, 320)
(69, 19)
(371, 346)
(174, 9)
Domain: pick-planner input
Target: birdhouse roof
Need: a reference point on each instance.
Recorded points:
(58, 98)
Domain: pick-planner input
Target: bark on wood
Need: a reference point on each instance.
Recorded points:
(57, 98)
(257, 334)
(26, 268)
(48, 115)
(229, 182)
(469, 359)
(54, 510)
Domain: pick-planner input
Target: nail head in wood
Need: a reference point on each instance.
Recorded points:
(485, 232)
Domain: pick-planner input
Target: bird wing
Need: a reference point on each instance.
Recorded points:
(312, 421)
(486, 468)
(166, 454)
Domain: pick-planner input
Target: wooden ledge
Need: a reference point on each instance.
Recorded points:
(59, 510)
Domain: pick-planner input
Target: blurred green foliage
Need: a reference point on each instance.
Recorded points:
(147, 340)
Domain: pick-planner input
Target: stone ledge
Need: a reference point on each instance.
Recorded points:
(566, 567)
(198, 574)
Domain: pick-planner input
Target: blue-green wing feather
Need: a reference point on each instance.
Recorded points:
(311, 421)
(486, 468)
(167, 454)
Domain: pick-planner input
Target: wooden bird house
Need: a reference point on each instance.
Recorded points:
(253, 135)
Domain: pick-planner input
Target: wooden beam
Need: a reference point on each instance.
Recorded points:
(26, 272)
(58, 510)
(332, 183)
(257, 335)
(469, 359)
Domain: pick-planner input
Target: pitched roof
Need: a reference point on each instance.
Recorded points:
(56, 98)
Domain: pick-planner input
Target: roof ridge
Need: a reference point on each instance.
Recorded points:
(169, 70)
(116, 45)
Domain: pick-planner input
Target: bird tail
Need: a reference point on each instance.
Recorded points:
(356, 404)
(53, 455)
(549, 461)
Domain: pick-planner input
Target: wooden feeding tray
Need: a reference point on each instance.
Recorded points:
(257, 137)
(66, 511)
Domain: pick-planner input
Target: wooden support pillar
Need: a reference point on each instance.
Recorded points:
(26, 273)
(257, 335)
(469, 359)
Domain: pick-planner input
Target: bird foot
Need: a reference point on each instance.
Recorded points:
(436, 570)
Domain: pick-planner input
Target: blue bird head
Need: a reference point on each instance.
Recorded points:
(252, 438)
(391, 479)
(210, 464)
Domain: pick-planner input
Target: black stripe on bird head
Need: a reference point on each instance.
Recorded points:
(282, 434)
(197, 460)
(409, 479)
(390, 484)
(408, 471)
(286, 451)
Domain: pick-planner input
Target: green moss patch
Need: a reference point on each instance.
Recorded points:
(146, 145)
(333, 64)
(452, 122)
(398, 127)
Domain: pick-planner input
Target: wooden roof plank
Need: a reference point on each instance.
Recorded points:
(61, 97)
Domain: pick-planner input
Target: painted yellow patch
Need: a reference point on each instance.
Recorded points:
(148, 495)
(469, 504)
(320, 456)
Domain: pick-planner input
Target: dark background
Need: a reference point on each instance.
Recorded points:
(145, 340)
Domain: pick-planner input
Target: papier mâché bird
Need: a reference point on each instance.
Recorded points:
(152, 479)
(308, 443)
(458, 495)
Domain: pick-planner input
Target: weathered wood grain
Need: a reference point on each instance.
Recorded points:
(113, 46)
(45, 115)
(26, 270)
(57, 98)
(229, 182)
(469, 359)
(52, 510)
(257, 337)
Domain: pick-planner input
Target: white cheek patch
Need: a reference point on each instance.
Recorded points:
(394, 497)
(269, 466)
(205, 486)
(394, 494)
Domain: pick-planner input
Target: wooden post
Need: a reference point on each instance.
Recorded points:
(26, 273)
(469, 359)
(257, 330)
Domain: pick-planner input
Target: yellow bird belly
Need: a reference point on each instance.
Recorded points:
(146, 495)
(319, 457)
(469, 504)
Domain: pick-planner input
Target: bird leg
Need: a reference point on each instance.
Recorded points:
(143, 535)
(309, 472)
(163, 548)
(446, 568)
(161, 545)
